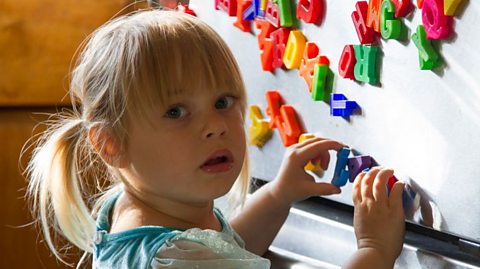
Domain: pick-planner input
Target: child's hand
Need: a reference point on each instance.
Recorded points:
(379, 219)
(293, 183)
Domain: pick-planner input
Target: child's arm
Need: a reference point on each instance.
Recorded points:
(265, 212)
(378, 220)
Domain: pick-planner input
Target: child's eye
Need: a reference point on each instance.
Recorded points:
(224, 102)
(176, 112)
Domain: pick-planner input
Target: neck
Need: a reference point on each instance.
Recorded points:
(143, 210)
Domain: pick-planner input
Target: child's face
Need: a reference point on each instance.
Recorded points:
(194, 150)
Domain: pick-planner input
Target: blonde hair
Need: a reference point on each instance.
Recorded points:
(128, 67)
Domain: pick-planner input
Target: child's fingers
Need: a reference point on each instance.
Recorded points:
(357, 188)
(380, 185)
(367, 183)
(325, 161)
(310, 141)
(395, 199)
(318, 148)
(323, 157)
(324, 189)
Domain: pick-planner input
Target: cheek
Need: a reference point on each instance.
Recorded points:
(145, 154)
(240, 136)
(241, 129)
(238, 127)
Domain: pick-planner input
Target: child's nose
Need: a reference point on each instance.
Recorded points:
(215, 126)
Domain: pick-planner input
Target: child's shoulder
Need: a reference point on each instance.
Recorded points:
(149, 246)
(127, 243)
(135, 247)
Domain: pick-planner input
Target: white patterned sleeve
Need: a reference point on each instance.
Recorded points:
(203, 249)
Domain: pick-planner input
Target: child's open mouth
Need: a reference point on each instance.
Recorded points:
(219, 161)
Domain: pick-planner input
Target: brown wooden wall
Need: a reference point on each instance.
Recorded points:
(19, 245)
(38, 39)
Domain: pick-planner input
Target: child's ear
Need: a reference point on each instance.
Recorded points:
(107, 145)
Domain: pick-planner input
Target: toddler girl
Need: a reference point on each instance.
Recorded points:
(156, 134)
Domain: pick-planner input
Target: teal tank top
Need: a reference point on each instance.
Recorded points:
(134, 248)
(138, 247)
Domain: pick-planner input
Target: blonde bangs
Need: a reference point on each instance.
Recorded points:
(180, 54)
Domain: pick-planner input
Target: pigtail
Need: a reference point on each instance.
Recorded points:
(128, 69)
(57, 173)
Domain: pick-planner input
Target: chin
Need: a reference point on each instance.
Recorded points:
(223, 190)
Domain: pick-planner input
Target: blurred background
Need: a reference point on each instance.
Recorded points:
(38, 40)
